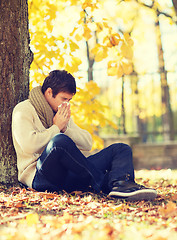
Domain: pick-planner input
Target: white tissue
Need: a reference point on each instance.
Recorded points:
(62, 103)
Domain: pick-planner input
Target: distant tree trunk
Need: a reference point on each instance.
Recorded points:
(175, 5)
(167, 115)
(90, 57)
(123, 108)
(15, 60)
(135, 92)
(90, 63)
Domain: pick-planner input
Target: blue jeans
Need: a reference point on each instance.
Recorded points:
(62, 166)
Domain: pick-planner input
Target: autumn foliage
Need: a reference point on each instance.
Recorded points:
(26, 214)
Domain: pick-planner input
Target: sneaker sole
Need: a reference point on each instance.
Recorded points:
(144, 194)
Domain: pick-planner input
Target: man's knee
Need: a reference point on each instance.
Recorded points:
(60, 140)
(122, 147)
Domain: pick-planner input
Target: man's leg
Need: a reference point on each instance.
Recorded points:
(116, 162)
(63, 166)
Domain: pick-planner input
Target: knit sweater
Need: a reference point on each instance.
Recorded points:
(30, 138)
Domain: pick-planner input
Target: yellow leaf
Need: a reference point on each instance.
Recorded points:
(72, 33)
(99, 27)
(87, 33)
(130, 42)
(101, 54)
(76, 60)
(115, 39)
(78, 37)
(112, 71)
(127, 67)
(105, 24)
(95, 49)
(128, 39)
(73, 67)
(73, 46)
(169, 210)
(98, 143)
(112, 68)
(65, 46)
(61, 61)
(82, 14)
(112, 64)
(92, 88)
(32, 218)
(116, 208)
(126, 35)
(49, 25)
(61, 38)
(127, 51)
(120, 71)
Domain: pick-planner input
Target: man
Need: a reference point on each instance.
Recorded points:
(48, 145)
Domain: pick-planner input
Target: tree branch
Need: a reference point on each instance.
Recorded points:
(159, 12)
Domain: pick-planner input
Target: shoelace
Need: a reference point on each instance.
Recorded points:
(139, 186)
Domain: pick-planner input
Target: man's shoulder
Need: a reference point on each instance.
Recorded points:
(23, 106)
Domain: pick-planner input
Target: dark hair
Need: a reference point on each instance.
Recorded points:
(59, 81)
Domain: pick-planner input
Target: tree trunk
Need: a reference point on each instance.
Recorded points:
(91, 62)
(15, 60)
(167, 115)
(175, 5)
(123, 107)
(137, 110)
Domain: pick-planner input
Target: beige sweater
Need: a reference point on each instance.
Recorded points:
(30, 138)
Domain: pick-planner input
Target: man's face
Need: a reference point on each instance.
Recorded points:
(61, 97)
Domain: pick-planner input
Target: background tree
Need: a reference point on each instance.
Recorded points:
(167, 115)
(175, 5)
(15, 62)
(155, 8)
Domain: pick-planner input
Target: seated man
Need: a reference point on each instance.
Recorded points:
(48, 145)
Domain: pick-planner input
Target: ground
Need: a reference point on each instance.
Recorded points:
(26, 214)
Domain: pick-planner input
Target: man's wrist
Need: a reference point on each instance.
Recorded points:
(63, 130)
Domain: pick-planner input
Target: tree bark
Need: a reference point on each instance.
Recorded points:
(15, 60)
(167, 114)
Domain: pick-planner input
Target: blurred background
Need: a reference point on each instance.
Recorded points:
(123, 55)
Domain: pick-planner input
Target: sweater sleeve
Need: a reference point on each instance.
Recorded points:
(81, 137)
(25, 133)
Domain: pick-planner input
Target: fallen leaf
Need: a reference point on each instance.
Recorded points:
(174, 197)
(169, 210)
(32, 218)
(116, 208)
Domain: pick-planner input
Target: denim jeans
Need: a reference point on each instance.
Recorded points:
(62, 166)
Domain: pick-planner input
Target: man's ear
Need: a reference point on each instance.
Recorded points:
(48, 93)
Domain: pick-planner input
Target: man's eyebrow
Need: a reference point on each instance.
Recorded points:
(67, 98)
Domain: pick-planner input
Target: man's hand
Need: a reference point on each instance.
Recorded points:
(62, 116)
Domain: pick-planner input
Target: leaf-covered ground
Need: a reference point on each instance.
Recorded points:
(26, 214)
